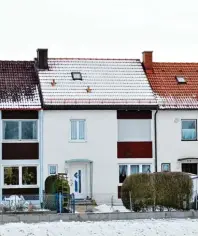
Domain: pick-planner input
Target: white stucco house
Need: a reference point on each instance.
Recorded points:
(176, 89)
(98, 122)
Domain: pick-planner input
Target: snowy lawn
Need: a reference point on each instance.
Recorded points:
(126, 228)
(106, 209)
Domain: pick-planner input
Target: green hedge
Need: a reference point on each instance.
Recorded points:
(162, 189)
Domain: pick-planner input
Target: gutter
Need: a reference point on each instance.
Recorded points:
(155, 127)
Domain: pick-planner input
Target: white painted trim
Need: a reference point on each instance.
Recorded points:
(1, 132)
(40, 137)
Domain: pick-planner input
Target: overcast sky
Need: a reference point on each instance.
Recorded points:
(99, 28)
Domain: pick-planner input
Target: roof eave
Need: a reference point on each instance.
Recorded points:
(100, 107)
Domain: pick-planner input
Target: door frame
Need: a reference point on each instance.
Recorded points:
(88, 168)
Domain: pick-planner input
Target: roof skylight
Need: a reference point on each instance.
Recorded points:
(181, 79)
(76, 75)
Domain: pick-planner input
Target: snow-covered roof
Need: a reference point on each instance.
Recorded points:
(18, 85)
(104, 82)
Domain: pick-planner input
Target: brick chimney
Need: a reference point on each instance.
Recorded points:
(148, 60)
(42, 56)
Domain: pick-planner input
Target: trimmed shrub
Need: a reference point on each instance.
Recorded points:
(162, 189)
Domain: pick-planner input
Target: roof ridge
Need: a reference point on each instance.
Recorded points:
(84, 58)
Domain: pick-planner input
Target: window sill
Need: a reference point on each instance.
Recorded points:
(185, 140)
(20, 186)
(20, 141)
(77, 141)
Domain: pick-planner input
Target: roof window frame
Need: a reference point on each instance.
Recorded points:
(76, 73)
(180, 79)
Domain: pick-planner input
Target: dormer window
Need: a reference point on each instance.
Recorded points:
(181, 79)
(76, 76)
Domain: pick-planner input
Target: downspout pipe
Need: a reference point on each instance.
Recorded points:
(155, 128)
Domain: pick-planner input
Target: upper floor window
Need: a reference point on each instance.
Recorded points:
(19, 130)
(77, 130)
(189, 130)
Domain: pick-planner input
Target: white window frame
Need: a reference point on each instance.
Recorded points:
(20, 131)
(195, 120)
(129, 167)
(85, 134)
(20, 185)
(162, 167)
(54, 165)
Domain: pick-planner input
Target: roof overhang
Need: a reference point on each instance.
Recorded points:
(100, 107)
(189, 159)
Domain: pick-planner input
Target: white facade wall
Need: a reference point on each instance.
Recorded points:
(100, 147)
(169, 145)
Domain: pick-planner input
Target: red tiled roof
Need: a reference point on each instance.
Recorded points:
(18, 85)
(171, 94)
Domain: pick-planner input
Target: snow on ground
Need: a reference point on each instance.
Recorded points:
(105, 209)
(126, 228)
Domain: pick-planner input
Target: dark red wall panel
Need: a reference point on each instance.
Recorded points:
(134, 149)
(119, 192)
(134, 115)
(20, 151)
(21, 191)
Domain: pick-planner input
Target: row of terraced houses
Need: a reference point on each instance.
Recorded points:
(97, 120)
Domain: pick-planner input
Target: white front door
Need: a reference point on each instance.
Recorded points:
(78, 174)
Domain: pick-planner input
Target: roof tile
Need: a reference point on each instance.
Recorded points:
(18, 85)
(169, 93)
(111, 82)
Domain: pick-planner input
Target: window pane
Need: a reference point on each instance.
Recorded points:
(29, 175)
(11, 129)
(165, 166)
(81, 129)
(52, 169)
(29, 130)
(188, 124)
(122, 173)
(11, 175)
(189, 134)
(146, 168)
(73, 129)
(134, 169)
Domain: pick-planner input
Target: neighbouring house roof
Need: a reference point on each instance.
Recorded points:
(18, 85)
(169, 93)
(104, 82)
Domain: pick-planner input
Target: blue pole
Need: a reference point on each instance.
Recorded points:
(60, 203)
(73, 201)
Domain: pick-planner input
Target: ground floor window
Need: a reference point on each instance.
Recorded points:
(128, 169)
(166, 167)
(190, 168)
(29, 175)
(20, 176)
(11, 175)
